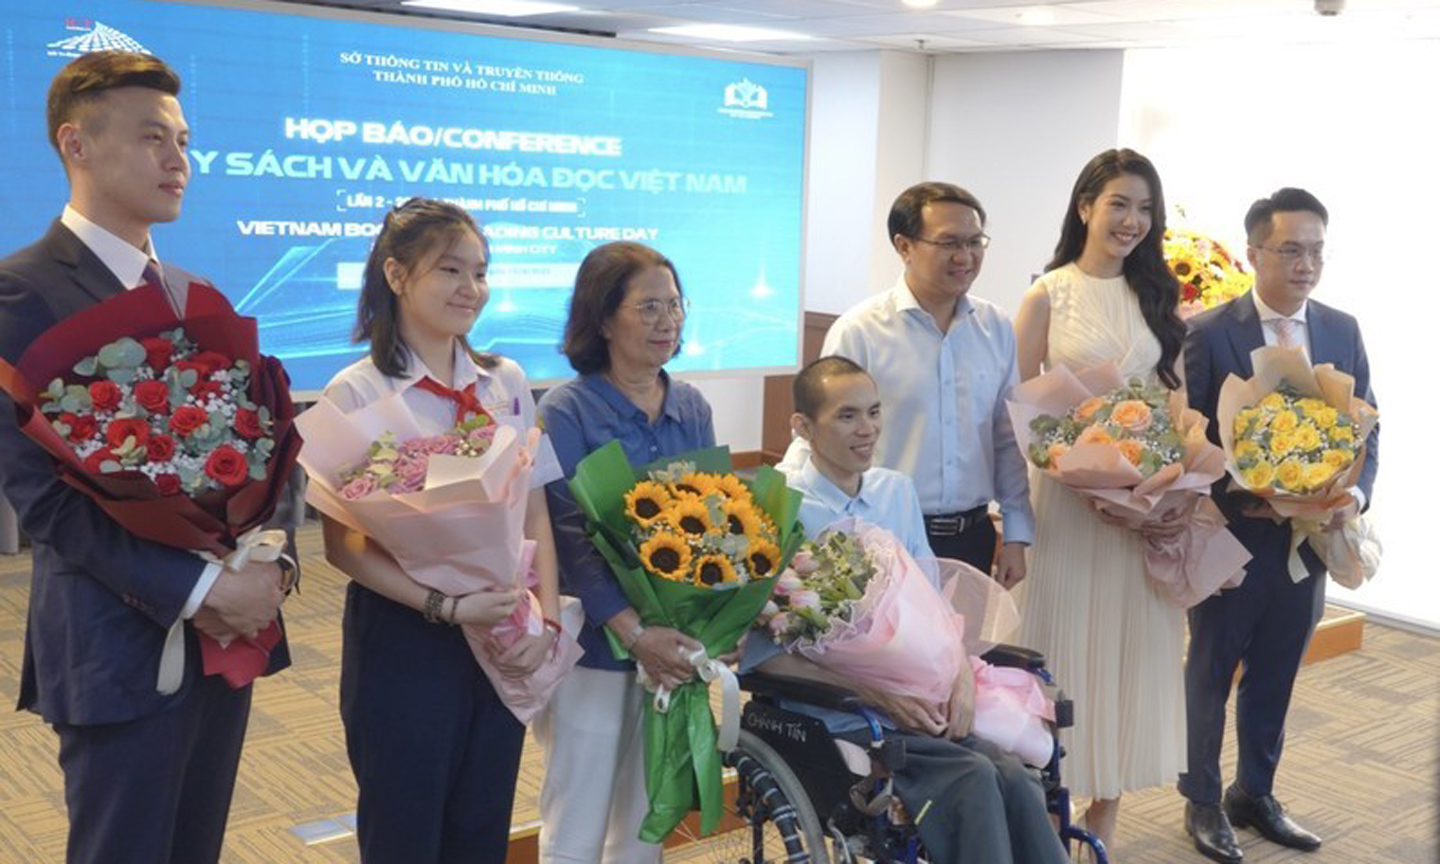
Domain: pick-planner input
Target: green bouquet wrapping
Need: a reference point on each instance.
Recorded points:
(695, 549)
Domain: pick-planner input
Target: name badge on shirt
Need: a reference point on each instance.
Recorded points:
(503, 408)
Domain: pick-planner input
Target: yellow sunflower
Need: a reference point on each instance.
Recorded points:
(733, 487)
(667, 556)
(694, 484)
(713, 570)
(690, 517)
(741, 518)
(763, 558)
(646, 502)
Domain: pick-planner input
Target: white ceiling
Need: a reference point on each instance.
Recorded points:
(981, 25)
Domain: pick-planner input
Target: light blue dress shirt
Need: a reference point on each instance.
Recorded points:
(886, 498)
(946, 424)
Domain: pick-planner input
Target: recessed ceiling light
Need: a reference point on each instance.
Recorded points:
(731, 33)
(504, 8)
(1036, 16)
(921, 4)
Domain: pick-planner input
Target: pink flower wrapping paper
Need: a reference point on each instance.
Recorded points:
(906, 637)
(1186, 569)
(463, 532)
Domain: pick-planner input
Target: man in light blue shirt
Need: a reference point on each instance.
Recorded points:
(947, 770)
(946, 363)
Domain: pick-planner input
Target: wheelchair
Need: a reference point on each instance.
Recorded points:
(806, 797)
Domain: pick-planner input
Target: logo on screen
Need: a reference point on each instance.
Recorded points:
(92, 36)
(746, 99)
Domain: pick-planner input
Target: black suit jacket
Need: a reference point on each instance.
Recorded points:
(1219, 344)
(101, 600)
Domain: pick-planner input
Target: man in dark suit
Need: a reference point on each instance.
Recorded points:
(1267, 622)
(148, 774)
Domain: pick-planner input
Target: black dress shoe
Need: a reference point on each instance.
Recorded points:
(1266, 815)
(1214, 838)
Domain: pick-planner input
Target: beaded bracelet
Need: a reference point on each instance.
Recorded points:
(433, 602)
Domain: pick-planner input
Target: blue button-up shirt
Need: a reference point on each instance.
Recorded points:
(944, 400)
(580, 416)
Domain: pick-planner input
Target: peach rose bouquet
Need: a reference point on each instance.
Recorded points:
(1139, 454)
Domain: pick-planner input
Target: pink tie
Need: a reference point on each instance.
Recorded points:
(1285, 330)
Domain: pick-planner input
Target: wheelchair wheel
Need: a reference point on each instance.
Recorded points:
(780, 825)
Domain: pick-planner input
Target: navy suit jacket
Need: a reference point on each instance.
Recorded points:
(1219, 345)
(101, 600)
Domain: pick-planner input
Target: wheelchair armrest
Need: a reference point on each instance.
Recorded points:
(1016, 657)
(772, 687)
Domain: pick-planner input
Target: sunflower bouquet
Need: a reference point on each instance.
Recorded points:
(1139, 455)
(697, 549)
(1294, 434)
(1208, 274)
(701, 527)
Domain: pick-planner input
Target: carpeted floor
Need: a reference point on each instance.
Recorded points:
(1360, 767)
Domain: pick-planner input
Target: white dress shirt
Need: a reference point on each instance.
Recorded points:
(943, 397)
(504, 391)
(886, 498)
(128, 265)
(1269, 316)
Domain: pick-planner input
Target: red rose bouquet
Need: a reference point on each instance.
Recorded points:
(180, 430)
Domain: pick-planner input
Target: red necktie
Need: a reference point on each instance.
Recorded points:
(466, 402)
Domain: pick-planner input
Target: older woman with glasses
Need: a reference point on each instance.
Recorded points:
(624, 326)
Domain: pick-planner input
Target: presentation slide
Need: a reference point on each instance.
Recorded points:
(306, 130)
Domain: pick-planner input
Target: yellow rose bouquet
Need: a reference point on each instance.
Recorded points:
(1294, 435)
(1139, 454)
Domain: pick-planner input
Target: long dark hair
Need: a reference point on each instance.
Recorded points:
(600, 286)
(1144, 268)
(410, 233)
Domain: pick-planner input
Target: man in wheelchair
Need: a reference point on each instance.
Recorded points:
(969, 800)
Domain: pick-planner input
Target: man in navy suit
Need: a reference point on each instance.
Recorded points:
(148, 775)
(1267, 622)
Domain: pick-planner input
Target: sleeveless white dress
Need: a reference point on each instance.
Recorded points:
(1114, 645)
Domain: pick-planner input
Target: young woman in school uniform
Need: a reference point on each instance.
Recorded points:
(434, 750)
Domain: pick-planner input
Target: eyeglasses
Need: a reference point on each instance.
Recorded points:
(1291, 255)
(651, 310)
(974, 245)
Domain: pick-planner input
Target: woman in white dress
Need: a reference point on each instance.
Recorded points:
(1112, 641)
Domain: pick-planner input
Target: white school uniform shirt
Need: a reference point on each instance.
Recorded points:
(128, 265)
(504, 391)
